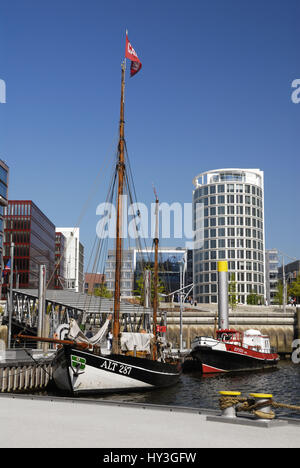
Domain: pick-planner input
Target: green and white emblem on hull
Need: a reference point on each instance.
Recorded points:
(78, 362)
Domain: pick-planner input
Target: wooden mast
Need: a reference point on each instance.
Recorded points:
(121, 172)
(155, 278)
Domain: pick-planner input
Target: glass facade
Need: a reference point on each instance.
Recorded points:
(34, 237)
(134, 262)
(228, 216)
(169, 261)
(272, 265)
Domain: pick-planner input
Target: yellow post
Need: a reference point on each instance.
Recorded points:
(228, 402)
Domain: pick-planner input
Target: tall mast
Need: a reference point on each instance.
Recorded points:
(155, 276)
(121, 172)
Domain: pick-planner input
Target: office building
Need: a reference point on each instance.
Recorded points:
(134, 262)
(34, 237)
(93, 281)
(74, 258)
(292, 271)
(272, 265)
(228, 218)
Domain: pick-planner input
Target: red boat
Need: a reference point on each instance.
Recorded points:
(233, 351)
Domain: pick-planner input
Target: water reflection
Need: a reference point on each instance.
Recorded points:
(195, 390)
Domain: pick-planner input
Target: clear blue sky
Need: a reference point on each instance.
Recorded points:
(214, 91)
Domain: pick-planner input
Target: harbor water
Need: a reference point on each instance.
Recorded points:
(198, 391)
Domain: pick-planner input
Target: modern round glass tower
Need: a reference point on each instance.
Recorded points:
(228, 216)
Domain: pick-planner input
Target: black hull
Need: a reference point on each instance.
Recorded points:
(109, 373)
(225, 361)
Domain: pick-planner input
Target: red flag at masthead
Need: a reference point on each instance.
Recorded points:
(131, 54)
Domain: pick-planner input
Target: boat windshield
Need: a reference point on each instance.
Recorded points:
(229, 336)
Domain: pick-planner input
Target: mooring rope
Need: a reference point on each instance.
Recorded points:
(249, 405)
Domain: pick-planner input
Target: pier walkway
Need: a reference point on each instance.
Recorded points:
(38, 421)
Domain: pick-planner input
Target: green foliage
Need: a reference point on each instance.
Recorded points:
(139, 291)
(232, 296)
(294, 288)
(102, 292)
(254, 299)
(279, 293)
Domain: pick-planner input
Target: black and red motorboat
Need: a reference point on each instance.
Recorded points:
(233, 351)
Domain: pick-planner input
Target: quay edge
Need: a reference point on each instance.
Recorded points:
(58, 422)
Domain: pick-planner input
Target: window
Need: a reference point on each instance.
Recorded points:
(221, 243)
(222, 254)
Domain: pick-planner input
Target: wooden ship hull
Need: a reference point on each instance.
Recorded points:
(81, 372)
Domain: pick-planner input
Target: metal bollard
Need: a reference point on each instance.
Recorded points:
(265, 410)
(229, 412)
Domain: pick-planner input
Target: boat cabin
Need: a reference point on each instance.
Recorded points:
(230, 336)
(254, 339)
(250, 339)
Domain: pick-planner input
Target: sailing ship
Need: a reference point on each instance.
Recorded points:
(135, 363)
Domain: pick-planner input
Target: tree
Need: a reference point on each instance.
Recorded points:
(232, 297)
(294, 289)
(139, 291)
(254, 298)
(102, 291)
(279, 293)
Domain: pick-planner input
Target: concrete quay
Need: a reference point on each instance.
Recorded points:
(55, 422)
(282, 328)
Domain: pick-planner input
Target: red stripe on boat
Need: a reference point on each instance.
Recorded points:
(211, 370)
